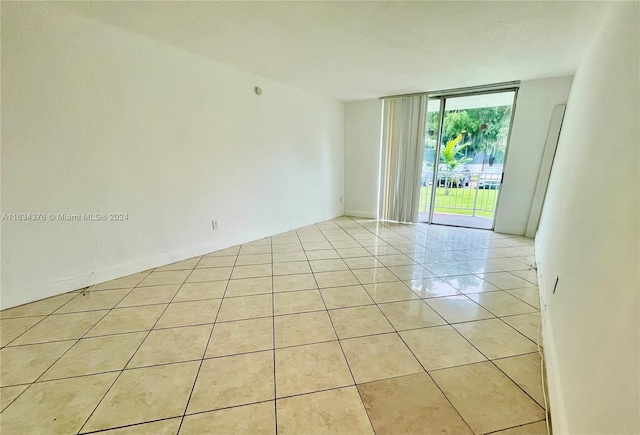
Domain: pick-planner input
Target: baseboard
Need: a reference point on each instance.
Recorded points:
(361, 214)
(516, 230)
(554, 385)
(25, 295)
(554, 381)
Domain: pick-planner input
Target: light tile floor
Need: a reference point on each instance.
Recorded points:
(349, 326)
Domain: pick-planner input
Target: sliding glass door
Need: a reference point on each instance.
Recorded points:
(430, 155)
(464, 153)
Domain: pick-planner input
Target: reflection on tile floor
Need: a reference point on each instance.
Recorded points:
(348, 326)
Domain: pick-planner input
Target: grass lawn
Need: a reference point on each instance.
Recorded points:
(460, 200)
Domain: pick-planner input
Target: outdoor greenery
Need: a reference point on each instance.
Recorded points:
(450, 154)
(461, 198)
(451, 157)
(474, 136)
(484, 130)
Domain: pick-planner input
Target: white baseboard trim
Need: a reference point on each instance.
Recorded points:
(361, 214)
(554, 385)
(13, 298)
(554, 382)
(516, 230)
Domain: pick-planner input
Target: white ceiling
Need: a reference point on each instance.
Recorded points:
(357, 50)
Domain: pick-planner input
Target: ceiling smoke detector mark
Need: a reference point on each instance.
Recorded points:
(258, 90)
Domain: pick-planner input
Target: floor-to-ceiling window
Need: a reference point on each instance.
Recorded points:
(464, 155)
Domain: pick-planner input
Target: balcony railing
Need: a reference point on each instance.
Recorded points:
(467, 193)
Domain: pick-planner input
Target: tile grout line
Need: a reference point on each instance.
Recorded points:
(496, 316)
(264, 350)
(342, 349)
(488, 359)
(340, 344)
(32, 326)
(481, 362)
(273, 341)
(256, 294)
(204, 352)
(243, 404)
(520, 299)
(266, 401)
(423, 368)
(130, 425)
(514, 427)
(513, 380)
(410, 240)
(137, 349)
(70, 347)
(53, 313)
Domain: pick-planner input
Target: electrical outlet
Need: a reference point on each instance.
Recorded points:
(214, 225)
(340, 200)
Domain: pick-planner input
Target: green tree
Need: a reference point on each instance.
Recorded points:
(450, 155)
(486, 130)
(461, 122)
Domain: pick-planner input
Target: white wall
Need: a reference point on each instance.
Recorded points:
(362, 128)
(589, 237)
(535, 103)
(536, 100)
(97, 119)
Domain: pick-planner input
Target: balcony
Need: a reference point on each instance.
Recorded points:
(465, 199)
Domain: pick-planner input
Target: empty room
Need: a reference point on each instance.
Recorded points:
(310, 217)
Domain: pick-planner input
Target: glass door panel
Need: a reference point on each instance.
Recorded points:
(473, 144)
(429, 157)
